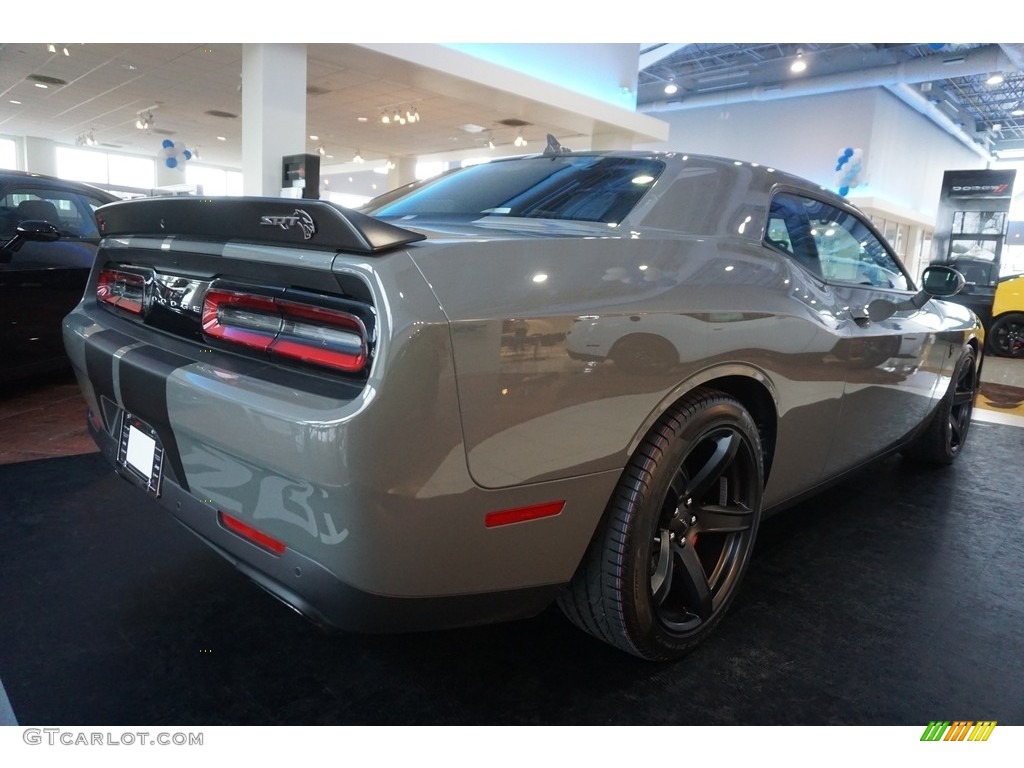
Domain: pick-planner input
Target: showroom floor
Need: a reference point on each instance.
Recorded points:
(895, 598)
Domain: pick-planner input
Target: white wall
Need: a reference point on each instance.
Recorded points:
(905, 153)
(601, 71)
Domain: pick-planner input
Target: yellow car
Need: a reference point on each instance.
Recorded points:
(1006, 333)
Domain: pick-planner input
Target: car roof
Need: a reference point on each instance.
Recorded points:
(52, 182)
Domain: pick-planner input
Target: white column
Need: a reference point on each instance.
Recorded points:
(40, 155)
(404, 172)
(273, 112)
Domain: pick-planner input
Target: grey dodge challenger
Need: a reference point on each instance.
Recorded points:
(576, 377)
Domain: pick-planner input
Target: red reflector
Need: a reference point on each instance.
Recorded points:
(248, 532)
(522, 514)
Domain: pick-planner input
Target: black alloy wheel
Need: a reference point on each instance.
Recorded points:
(1006, 338)
(961, 406)
(677, 534)
(946, 433)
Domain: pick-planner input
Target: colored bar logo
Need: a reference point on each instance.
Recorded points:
(961, 730)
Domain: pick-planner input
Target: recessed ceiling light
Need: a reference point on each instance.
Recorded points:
(363, 119)
(222, 138)
(15, 101)
(314, 137)
(41, 85)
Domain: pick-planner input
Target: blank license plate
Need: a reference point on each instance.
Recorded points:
(139, 452)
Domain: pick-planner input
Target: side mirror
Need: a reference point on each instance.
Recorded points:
(30, 229)
(937, 282)
(942, 282)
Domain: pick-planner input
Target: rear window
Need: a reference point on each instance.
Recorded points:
(567, 187)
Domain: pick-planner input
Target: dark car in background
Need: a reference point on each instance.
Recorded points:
(41, 278)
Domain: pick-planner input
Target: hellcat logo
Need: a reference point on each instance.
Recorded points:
(299, 219)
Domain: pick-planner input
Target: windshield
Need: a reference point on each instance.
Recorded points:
(567, 187)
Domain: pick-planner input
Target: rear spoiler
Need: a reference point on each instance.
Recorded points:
(307, 223)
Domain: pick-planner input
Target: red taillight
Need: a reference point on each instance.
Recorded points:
(522, 514)
(124, 290)
(313, 334)
(246, 531)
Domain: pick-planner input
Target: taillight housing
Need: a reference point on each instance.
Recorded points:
(291, 325)
(121, 289)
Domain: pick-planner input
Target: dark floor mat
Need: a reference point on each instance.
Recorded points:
(894, 598)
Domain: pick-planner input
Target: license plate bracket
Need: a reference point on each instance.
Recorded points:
(140, 453)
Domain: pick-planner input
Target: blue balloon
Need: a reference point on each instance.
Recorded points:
(172, 162)
(188, 155)
(167, 144)
(848, 153)
(839, 167)
(844, 191)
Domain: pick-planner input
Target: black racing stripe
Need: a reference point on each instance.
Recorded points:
(143, 375)
(99, 352)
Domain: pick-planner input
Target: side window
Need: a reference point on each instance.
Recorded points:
(789, 229)
(844, 248)
(67, 211)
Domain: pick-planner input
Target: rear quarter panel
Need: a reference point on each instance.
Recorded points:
(532, 411)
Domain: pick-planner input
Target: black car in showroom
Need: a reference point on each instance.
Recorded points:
(42, 277)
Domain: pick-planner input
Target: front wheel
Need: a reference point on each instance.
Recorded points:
(1006, 338)
(945, 436)
(677, 534)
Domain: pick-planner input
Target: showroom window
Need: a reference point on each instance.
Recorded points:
(105, 169)
(215, 182)
(8, 154)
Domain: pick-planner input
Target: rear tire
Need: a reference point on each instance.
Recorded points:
(944, 437)
(677, 535)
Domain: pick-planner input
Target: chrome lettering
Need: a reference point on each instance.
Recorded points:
(299, 219)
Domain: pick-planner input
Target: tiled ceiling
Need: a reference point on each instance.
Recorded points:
(951, 82)
(194, 93)
(99, 90)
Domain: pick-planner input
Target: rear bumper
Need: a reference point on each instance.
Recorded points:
(383, 528)
(313, 591)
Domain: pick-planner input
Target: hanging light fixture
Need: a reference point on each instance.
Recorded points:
(671, 87)
(358, 158)
(399, 114)
(520, 141)
(799, 65)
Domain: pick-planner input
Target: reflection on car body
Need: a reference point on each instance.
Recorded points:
(579, 377)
